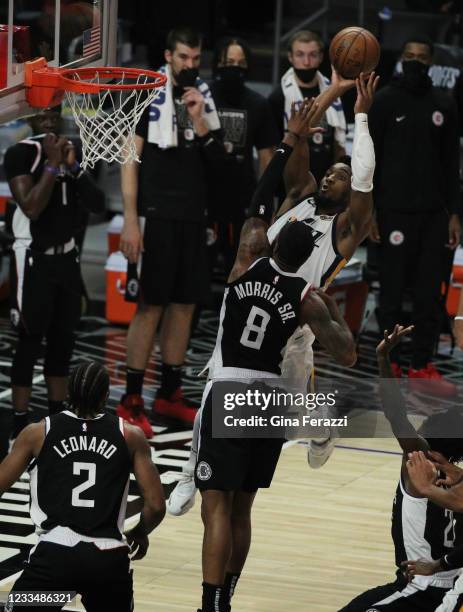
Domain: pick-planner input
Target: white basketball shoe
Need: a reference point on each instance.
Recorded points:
(320, 450)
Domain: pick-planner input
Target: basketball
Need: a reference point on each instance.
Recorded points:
(354, 50)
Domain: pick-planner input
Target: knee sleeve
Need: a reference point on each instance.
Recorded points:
(59, 347)
(26, 354)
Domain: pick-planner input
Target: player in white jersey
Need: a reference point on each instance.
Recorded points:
(340, 213)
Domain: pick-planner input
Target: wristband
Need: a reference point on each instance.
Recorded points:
(75, 168)
(52, 170)
(458, 318)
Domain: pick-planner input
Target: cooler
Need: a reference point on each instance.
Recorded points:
(456, 283)
(114, 233)
(117, 309)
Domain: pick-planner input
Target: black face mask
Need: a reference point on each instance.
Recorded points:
(187, 77)
(305, 74)
(231, 80)
(415, 76)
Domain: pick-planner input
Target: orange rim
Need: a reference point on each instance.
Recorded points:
(76, 79)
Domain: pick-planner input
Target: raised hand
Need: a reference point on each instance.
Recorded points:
(422, 472)
(365, 92)
(194, 102)
(54, 148)
(301, 118)
(389, 341)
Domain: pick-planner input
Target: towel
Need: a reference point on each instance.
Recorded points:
(334, 114)
(162, 125)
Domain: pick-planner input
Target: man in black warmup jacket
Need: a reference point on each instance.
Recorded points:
(415, 131)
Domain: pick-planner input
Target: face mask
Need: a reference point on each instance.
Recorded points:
(231, 75)
(415, 75)
(231, 80)
(305, 74)
(187, 77)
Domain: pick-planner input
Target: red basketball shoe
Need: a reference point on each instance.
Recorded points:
(175, 407)
(131, 409)
(429, 380)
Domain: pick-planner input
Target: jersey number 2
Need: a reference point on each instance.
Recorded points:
(77, 468)
(253, 333)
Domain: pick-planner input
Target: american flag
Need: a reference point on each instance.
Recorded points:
(92, 41)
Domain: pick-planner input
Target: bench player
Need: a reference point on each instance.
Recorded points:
(339, 213)
(80, 473)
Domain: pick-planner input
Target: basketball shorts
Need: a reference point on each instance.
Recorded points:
(453, 600)
(233, 464)
(398, 596)
(102, 577)
(174, 263)
(47, 289)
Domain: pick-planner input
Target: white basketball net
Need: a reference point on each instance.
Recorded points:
(107, 120)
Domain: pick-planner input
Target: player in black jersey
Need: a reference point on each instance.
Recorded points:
(423, 474)
(52, 195)
(79, 476)
(420, 528)
(265, 301)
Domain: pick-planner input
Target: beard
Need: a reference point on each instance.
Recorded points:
(329, 206)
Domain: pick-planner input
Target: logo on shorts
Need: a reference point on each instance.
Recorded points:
(437, 118)
(396, 238)
(317, 138)
(14, 317)
(132, 287)
(189, 134)
(203, 471)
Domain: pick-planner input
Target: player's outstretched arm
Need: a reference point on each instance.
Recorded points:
(321, 313)
(391, 396)
(355, 222)
(147, 477)
(26, 446)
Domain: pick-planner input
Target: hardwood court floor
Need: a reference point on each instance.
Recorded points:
(319, 538)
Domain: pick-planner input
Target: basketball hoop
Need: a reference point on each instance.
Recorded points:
(106, 113)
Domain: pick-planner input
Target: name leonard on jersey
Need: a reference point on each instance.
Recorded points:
(81, 443)
(266, 291)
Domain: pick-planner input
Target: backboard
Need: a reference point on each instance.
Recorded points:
(64, 32)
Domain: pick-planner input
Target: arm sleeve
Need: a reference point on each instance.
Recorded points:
(19, 160)
(262, 200)
(451, 159)
(266, 134)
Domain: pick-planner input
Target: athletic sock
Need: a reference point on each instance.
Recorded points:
(171, 379)
(134, 381)
(228, 589)
(211, 597)
(20, 421)
(55, 406)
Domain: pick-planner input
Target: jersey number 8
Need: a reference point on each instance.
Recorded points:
(253, 328)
